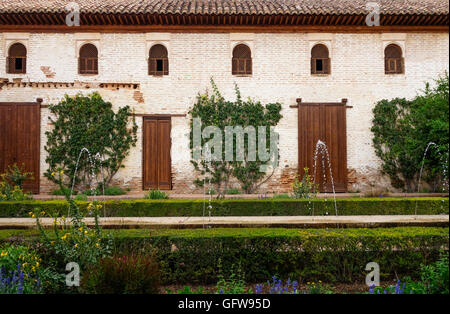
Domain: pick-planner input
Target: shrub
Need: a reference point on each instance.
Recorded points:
(62, 192)
(234, 284)
(88, 122)
(402, 130)
(156, 195)
(11, 184)
(233, 191)
(74, 241)
(329, 255)
(25, 270)
(122, 275)
(239, 207)
(304, 188)
(17, 175)
(81, 197)
(434, 278)
(281, 196)
(214, 110)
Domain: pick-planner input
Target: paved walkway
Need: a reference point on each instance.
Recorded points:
(141, 195)
(247, 221)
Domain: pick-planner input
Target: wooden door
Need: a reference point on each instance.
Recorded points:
(157, 168)
(325, 122)
(20, 139)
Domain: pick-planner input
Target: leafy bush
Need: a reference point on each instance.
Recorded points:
(402, 130)
(17, 175)
(74, 241)
(88, 122)
(234, 284)
(25, 270)
(81, 197)
(330, 255)
(434, 278)
(156, 195)
(281, 196)
(239, 207)
(122, 275)
(304, 188)
(62, 192)
(215, 111)
(11, 184)
(233, 191)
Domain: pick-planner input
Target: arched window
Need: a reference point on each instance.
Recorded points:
(17, 59)
(320, 60)
(393, 60)
(242, 60)
(158, 62)
(88, 60)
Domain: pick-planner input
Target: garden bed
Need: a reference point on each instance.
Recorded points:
(331, 255)
(241, 207)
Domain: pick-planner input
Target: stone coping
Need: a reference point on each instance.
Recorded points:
(245, 222)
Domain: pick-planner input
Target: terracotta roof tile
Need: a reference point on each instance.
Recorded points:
(224, 7)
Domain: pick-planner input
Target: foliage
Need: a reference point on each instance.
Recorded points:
(278, 286)
(122, 275)
(81, 197)
(17, 175)
(402, 130)
(18, 282)
(187, 290)
(71, 240)
(24, 266)
(304, 188)
(110, 190)
(239, 207)
(434, 278)
(215, 111)
(281, 196)
(11, 184)
(330, 255)
(233, 191)
(234, 284)
(88, 122)
(156, 195)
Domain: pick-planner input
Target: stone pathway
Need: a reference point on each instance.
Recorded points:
(247, 221)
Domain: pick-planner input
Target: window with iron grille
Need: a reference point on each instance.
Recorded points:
(242, 60)
(16, 62)
(320, 60)
(88, 60)
(393, 60)
(158, 62)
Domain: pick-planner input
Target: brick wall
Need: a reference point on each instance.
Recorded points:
(281, 73)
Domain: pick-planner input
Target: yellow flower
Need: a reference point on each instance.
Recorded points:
(61, 172)
(37, 264)
(97, 244)
(53, 174)
(33, 216)
(76, 245)
(52, 243)
(42, 213)
(81, 229)
(85, 232)
(99, 206)
(30, 213)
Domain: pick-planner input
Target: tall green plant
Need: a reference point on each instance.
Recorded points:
(214, 110)
(402, 130)
(90, 122)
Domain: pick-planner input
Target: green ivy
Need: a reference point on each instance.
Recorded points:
(214, 110)
(90, 122)
(402, 130)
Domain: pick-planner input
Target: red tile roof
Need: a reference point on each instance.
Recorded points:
(229, 7)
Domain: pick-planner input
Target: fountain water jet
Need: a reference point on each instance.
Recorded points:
(321, 148)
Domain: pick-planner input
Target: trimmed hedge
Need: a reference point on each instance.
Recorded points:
(331, 255)
(242, 207)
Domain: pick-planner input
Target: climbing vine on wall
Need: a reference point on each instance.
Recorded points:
(88, 122)
(215, 110)
(402, 131)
